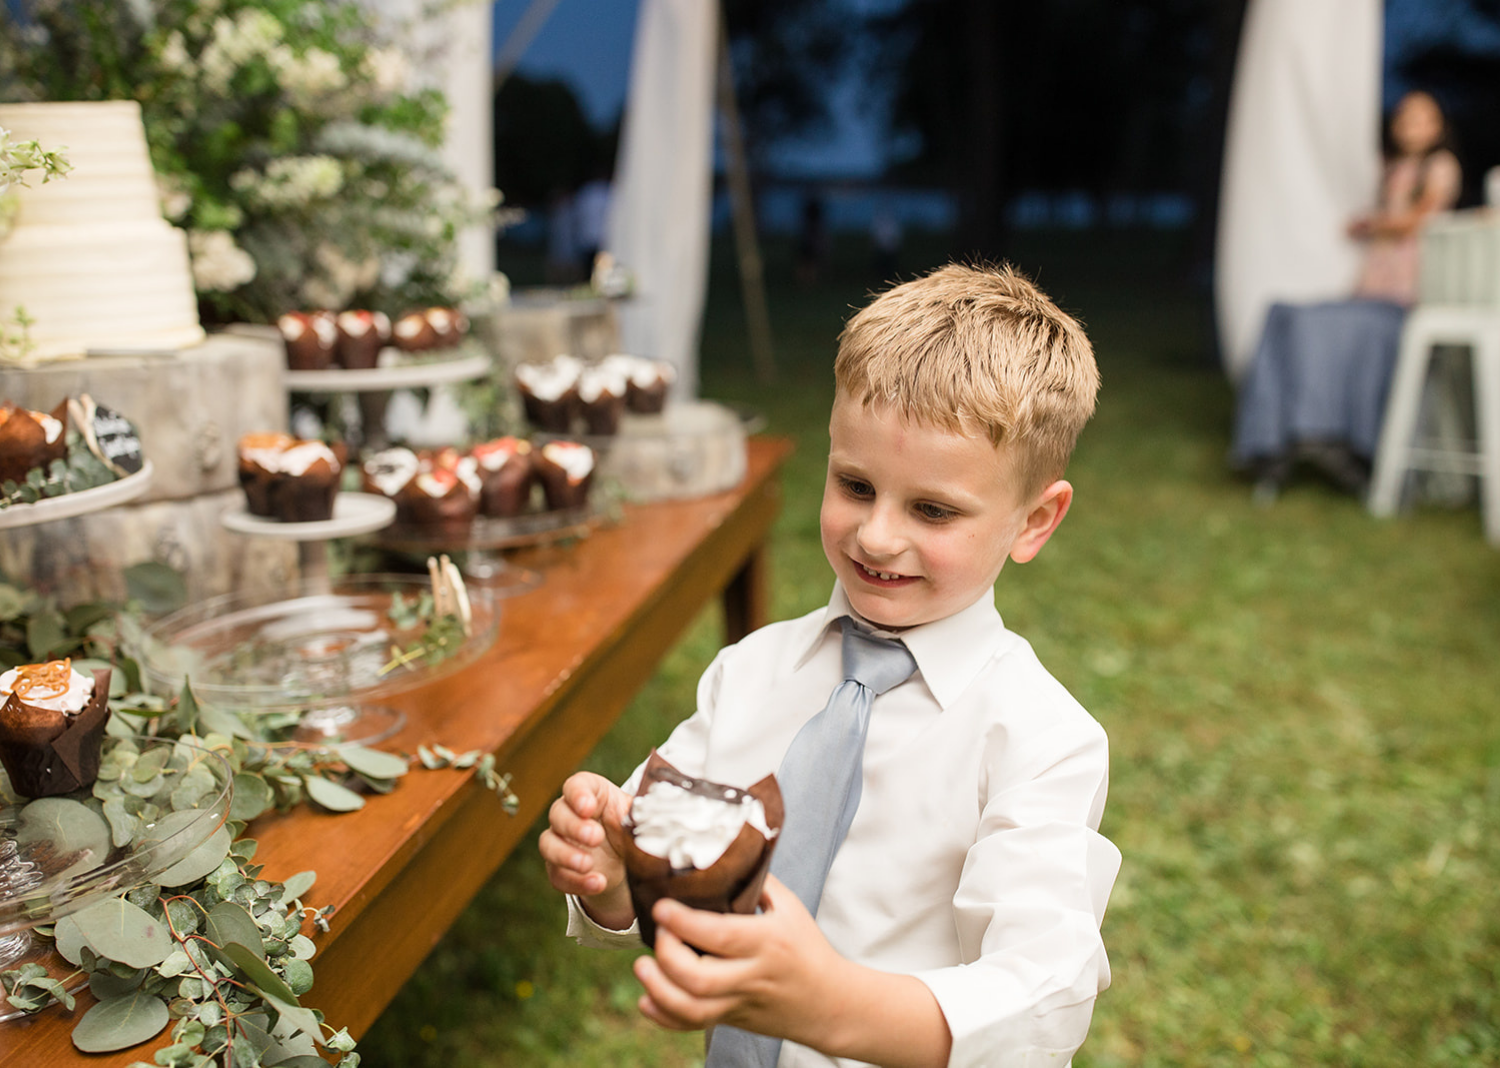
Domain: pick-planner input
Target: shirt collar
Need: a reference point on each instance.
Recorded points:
(949, 652)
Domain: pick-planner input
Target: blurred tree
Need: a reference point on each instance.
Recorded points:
(1104, 96)
(544, 144)
(786, 54)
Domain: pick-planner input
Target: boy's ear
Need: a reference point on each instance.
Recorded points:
(1047, 512)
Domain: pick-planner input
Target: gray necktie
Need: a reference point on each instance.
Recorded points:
(820, 779)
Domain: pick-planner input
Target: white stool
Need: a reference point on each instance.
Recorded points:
(1459, 305)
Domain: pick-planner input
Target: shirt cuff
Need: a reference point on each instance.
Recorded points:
(1025, 1039)
(582, 927)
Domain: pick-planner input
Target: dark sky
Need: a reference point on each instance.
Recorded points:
(587, 43)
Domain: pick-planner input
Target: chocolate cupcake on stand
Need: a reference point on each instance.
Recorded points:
(549, 393)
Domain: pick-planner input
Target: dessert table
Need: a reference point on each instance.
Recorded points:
(569, 657)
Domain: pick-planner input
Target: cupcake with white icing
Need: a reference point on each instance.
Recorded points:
(566, 471)
(549, 392)
(52, 720)
(703, 843)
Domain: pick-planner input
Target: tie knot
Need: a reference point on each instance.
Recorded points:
(879, 664)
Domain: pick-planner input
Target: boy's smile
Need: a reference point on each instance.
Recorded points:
(917, 521)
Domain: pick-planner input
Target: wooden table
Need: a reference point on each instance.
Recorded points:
(569, 657)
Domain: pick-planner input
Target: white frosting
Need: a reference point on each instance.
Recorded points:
(575, 460)
(50, 426)
(690, 830)
(410, 326)
(80, 689)
(326, 329)
(356, 325)
(548, 381)
(641, 370)
(493, 459)
(297, 459)
(392, 469)
(467, 471)
(91, 259)
(596, 381)
(292, 327)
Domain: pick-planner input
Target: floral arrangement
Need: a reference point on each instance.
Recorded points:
(287, 139)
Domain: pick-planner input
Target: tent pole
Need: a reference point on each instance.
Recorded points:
(747, 245)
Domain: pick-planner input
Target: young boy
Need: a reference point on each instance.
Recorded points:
(959, 921)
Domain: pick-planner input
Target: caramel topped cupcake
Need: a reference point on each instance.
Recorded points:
(289, 479)
(31, 439)
(51, 723)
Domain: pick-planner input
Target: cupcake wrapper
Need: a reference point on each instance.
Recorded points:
(732, 883)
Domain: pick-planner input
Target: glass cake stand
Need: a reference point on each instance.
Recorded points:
(58, 856)
(320, 655)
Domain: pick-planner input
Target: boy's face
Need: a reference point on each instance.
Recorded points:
(916, 521)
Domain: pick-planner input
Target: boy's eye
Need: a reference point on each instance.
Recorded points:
(856, 487)
(934, 512)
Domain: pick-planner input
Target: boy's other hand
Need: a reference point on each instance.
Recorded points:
(584, 843)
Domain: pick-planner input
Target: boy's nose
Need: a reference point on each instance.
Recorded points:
(880, 533)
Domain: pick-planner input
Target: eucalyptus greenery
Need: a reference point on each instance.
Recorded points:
(80, 469)
(211, 947)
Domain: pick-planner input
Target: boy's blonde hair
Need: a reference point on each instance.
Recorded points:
(976, 349)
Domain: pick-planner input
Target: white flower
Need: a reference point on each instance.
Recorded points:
(219, 265)
(388, 69)
(312, 75)
(235, 43)
(175, 201)
(174, 54)
(292, 181)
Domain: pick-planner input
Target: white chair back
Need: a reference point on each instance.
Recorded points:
(1461, 260)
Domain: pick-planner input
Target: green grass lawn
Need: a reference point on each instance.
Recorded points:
(1301, 701)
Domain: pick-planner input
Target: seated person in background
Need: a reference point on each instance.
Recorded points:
(1316, 387)
(959, 921)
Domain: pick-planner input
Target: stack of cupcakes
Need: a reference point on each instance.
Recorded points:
(564, 395)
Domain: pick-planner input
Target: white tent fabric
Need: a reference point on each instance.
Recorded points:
(1302, 157)
(659, 215)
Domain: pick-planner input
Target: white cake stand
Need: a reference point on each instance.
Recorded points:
(353, 513)
(70, 505)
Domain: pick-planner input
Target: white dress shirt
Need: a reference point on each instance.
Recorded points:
(974, 861)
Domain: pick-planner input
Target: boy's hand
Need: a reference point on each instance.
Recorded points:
(775, 973)
(583, 845)
(770, 973)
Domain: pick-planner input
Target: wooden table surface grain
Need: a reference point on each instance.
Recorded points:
(570, 655)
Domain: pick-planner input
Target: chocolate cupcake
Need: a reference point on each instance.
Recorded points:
(565, 470)
(259, 456)
(310, 338)
(413, 333)
(389, 472)
(702, 843)
(647, 381)
(31, 439)
(287, 479)
(549, 393)
(51, 723)
(361, 335)
(442, 499)
(601, 396)
(505, 476)
(449, 325)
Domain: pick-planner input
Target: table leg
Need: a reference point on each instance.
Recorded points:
(747, 598)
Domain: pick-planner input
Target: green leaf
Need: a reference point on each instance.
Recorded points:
(372, 762)
(228, 922)
(45, 637)
(106, 985)
(157, 588)
(200, 862)
(83, 616)
(297, 886)
(299, 975)
(331, 795)
(252, 796)
(118, 930)
(185, 715)
(13, 602)
(66, 827)
(120, 1023)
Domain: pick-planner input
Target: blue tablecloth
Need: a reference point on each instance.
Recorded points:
(1319, 374)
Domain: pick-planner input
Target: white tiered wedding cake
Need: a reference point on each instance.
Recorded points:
(91, 259)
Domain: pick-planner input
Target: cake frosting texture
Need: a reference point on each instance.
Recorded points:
(90, 258)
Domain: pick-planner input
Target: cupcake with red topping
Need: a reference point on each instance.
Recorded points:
(52, 720)
(505, 474)
(361, 335)
(310, 337)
